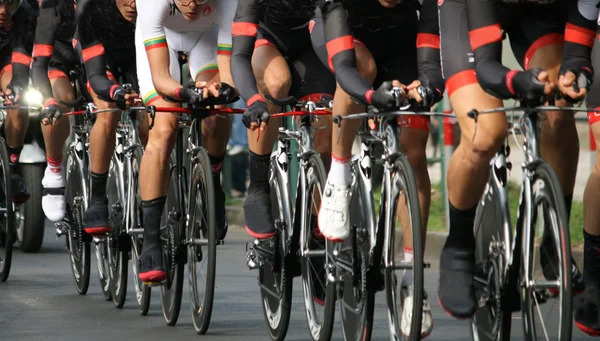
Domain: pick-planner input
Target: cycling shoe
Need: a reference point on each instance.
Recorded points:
(586, 311)
(95, 219)
(456, 294)
(549, 263)
(20, 193)
(257, 211)
(151, 268)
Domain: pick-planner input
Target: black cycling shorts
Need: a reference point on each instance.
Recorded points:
(309, 76)
(528, 26)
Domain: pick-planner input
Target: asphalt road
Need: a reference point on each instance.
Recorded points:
(39, 302)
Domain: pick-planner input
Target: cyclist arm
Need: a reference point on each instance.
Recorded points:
(485, 34)
(341, 53)
(151, 15)
(94, 55)
(244, 29)
(22, 46)
(226, 14)
(45, 37)
(428, 50)
(580, 33)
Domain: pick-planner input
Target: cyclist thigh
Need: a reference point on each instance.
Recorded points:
(62, 90)
(271, 70)
(592, 100)
(458, 67)
(202, 57)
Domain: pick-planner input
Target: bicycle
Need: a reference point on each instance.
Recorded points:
(505, 279)
(188, 226)
(296, 248)
(366, 261)
(9, 209)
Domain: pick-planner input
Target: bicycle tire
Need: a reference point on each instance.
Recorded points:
(143, 293)
(320, 329)
(492, 321)
(172, 290)
(118, 241)
(78, 242)
(545, 186)
(357, 302)
(406, 182)
(202, 189)
(277, 306)
(103, 266)
(7, 234)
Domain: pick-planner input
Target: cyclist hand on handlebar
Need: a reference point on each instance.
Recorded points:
(256, 116)
(12, 94)
(124, 97)
(532, 84)
(420, 93)
(51, 112)
(383, 99)
(225, 92)
(575, 78)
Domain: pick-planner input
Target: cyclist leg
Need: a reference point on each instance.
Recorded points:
(469, 165)
(342, 140)
(55, 136)
(272, 77)
(538, 42)
(15, 128)
(203, 66)
(586, 309)
(102, 146)
(155, 165)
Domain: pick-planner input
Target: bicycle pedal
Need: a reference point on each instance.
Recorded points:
(155, 284)
(220, 242)
(426, 265)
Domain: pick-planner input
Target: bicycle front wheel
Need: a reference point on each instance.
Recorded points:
(170, 235)
(319, 293)
(7, 232)
(118, 241)
(547, 289)
(202, 250)
(404, 201)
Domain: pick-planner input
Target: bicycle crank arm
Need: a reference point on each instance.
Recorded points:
(61, 230)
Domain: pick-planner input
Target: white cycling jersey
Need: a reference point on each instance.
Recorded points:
(161, 25)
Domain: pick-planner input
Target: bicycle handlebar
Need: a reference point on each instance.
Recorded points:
(474, 113)
(290, 100)
(79, 101)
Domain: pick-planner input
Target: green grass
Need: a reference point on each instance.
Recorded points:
(437, 216)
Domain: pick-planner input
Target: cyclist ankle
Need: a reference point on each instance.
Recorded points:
(152, 211)
(339, 173)
(99, 186)
(259, 172)
(13, 158)
(216, 164)
(591, 260)
(460, 235)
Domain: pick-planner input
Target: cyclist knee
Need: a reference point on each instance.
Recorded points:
(162, 141)
(481, 150)
(559, 124)
(107, 122)
(277, 83)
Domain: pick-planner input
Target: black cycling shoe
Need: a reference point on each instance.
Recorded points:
(151, 268)
(220, 212)
(257, 211)
(20, 193)
(456, 294)
(549, 262)
(95, 218)
(586, 311)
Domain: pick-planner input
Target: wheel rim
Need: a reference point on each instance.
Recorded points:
(5, 243)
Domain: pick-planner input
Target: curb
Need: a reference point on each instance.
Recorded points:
(433, 249)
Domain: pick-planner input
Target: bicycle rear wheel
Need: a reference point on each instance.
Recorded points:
(492, 231)
(7, 232)
(143, 292)
(202, 252)
(275, 280)
(403, 190)
(170, 235)
(118, 241)
(78, 242)
(357, 299)
(319, 293)
(542, 291)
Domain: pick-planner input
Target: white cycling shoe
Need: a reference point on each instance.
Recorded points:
(53, 199)
(334, 222)
(427, 319)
